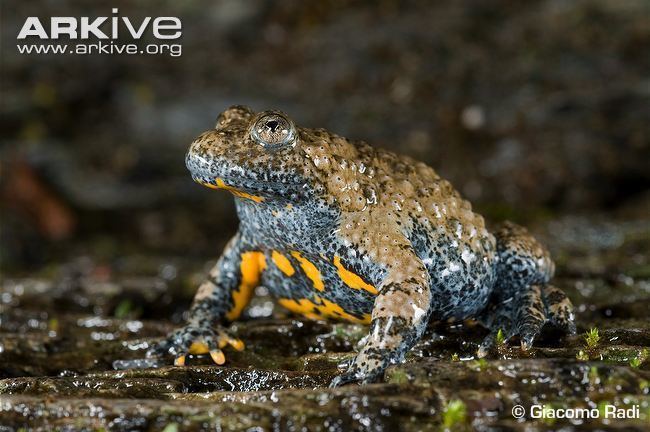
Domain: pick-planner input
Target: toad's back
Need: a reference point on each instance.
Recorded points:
(405, 204)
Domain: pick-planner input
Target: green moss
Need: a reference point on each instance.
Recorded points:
(123, 309)
(53, 325)
(348, 332)
(480, 364)
(602, 407)
(171, 427)
(500, 338)
(592, 338)
(547, 415)
(594, 377)
(582, 356)
(398, 376)
(126, 309)
(644, 385)
(341, 331)
(454, 414)
(640, 358)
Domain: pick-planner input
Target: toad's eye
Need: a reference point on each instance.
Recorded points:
(273, 130)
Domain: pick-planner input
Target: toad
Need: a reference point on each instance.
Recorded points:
(338, 229)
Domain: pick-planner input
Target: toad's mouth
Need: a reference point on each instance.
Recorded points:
(244, 183)
(253, 189)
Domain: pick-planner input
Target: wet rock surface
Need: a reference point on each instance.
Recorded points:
(69, 335)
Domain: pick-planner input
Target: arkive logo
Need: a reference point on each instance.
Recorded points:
(82, 28)
(106, 30)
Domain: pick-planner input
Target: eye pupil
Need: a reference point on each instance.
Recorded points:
(272, 125)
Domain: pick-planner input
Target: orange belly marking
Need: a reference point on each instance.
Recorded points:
(351, 279)
(283, 263)
(321, 308)
(310, 270)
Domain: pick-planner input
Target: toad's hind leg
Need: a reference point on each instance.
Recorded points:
(522, 302)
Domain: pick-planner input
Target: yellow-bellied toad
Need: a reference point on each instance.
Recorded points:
(338, 229)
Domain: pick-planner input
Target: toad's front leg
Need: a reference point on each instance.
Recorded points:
(399, 318)
(221, 298)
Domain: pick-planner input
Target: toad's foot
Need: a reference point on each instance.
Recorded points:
(193, 339)
(367, 367)
(525, 314)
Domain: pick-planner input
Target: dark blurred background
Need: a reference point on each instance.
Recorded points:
(532, 109)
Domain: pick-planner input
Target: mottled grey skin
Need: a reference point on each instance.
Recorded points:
(338, 229)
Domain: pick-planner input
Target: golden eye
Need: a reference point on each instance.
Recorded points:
(273, 130)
